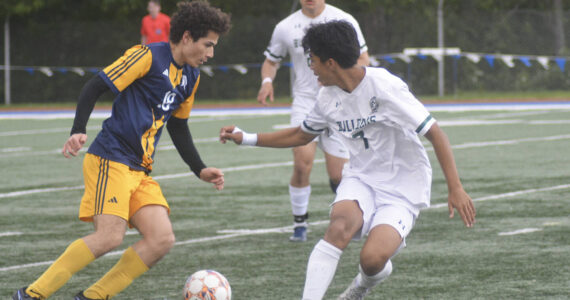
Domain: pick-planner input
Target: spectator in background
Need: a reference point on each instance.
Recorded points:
(155, 26)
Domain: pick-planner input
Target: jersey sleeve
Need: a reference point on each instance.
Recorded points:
(277, 49)
(134, 64)
(183, 111)
(406, 110)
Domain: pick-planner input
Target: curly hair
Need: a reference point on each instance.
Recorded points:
(197, 17)
(334, 39)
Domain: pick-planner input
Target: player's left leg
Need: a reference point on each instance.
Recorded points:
(300, 189)
(158, 238)
(149, 215)
(375, 265)
(390, 226)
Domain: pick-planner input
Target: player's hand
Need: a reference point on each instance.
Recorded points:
(214, 176)
(460, 200)
(73, 144)
(230, 133)
(266, 90)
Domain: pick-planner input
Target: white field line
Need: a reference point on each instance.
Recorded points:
(270, 111)
(10, 233)
(511, 194)
(279, 164)
(67, 129)
(161, 177)
(244, 232)
(520, 231)
(475, 122)
(24, 151)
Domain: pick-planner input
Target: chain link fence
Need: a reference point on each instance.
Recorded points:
(52, 59)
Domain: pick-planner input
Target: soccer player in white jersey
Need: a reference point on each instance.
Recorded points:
(286, 39)
(388, 177)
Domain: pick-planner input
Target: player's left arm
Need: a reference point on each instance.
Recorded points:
(182, 139)
(363, 59)
(457, 198)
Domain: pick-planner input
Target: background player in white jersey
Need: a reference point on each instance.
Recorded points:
(388, 178)
(286, 39)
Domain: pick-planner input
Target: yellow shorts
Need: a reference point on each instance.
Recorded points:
(112, 188)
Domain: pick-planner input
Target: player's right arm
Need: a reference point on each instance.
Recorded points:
(285, 138)
(90, 92)
(268, 73)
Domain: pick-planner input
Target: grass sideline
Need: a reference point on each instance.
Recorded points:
(527, 96)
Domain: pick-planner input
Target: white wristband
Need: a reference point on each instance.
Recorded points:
(266, 80)
(248, 139)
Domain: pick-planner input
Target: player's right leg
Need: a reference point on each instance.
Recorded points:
(346, 220)
(102, 187)
(300, 189)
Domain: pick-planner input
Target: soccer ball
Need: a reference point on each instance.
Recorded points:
(207, 285)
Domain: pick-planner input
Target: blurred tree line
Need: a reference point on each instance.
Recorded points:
(92, 33)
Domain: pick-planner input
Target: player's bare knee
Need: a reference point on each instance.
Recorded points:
(339, 232)
(302, 168)
(161, 243)
(373, 261)
(111, 240)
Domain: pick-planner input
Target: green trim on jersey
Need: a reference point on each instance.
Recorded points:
(421, 127)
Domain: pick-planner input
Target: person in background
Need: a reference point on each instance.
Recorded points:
(155, 86)
(286, 39)
(155, 26)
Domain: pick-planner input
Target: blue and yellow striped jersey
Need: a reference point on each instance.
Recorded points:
(150, 88)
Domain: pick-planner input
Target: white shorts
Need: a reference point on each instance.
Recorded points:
(374, 210)
(327, 141)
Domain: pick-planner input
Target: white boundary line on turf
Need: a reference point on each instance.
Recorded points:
(289, 163)
(103, 114)
(283, 229)
(520, 231)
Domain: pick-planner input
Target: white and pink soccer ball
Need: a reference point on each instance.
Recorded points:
(207, 285)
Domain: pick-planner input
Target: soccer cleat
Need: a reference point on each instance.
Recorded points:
(22, 295)
(80, 296)
(299, 234)
(354, 292)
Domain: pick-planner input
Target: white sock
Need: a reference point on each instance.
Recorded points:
(320, 270)
(370, 281)
(299, 199)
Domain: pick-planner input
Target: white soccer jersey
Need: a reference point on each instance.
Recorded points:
(286, 39)
(379, 123)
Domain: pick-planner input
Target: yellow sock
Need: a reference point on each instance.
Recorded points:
(129, 267)
(74, 258)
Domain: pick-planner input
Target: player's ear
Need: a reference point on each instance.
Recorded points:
(331, 63)
(187, 37)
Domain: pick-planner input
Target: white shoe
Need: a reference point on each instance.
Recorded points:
(354, 291)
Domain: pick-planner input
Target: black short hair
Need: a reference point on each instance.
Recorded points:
(197, 17)
(334, 39)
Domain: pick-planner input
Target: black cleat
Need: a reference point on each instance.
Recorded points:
(80, 296)
(22, 295)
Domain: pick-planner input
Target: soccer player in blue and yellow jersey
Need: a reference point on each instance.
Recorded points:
(155, 85)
